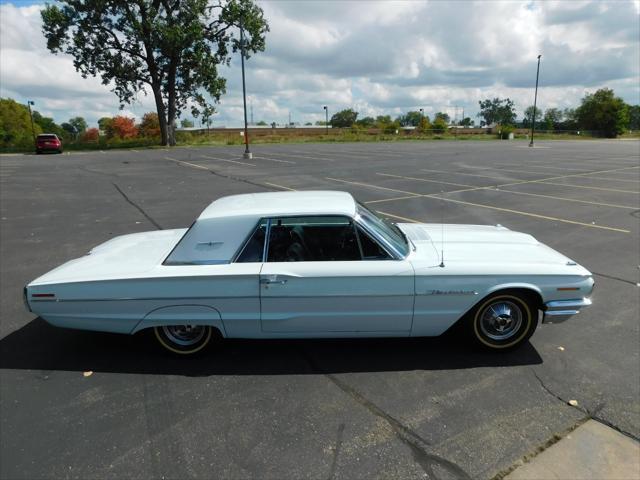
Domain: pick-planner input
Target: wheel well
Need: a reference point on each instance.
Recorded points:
(531, 294)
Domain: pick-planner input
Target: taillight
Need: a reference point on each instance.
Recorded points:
(43, 295)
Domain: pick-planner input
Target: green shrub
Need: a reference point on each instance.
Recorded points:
(505, 130)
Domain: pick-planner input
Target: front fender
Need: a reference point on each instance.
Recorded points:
(181, 315)
(516, 285)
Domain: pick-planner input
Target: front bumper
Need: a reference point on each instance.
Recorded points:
(561, 310)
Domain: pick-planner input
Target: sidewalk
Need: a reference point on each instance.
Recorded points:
(591, 451)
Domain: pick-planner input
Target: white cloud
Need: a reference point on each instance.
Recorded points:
(379, 57)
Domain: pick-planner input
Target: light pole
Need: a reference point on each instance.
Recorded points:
(326, 116)
(247, 152)
(535, 101)
(33, 131)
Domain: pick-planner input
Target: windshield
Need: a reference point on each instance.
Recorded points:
(388, 231)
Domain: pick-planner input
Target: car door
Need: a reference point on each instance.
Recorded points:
(318, 279)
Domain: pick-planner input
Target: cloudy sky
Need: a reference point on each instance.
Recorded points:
(378, 57)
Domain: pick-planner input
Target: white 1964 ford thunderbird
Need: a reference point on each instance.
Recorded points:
(312, 264)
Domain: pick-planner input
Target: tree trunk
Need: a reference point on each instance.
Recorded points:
(171, 102)
(162, 116)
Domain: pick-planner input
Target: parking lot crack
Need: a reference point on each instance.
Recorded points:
(611, 277)
(590, 414)
(138, 207)
(418, 446)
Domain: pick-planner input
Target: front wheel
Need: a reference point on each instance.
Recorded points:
(503, 321)
(184, 339)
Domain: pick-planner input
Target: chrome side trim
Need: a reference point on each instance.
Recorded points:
(558, 311)
(130, 299)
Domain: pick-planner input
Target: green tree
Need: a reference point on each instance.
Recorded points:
(552, 119)
(47, 124)
(528, 117)
(439, 125)
(569, 119)
(320, 123)
(634, 117)
(425, 125)
(497, 110)
(344, 118)
(366, 122)
(466, 122)
(410, 119)
(186, 123)
(262, 123)
(104, 122)
(603, 113)
(70, 131)
(15, 124)
(382, 121)
(443, 116)
(171, 47)
(79, 124)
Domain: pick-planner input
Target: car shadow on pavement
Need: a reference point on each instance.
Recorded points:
(39, 346)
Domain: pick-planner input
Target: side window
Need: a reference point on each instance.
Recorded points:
(371, 250)
(254, 248)
(312, 239)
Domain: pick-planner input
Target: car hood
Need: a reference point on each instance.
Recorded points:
(126, 256)
(485, 249)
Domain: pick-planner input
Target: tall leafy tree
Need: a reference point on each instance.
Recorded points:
(528, 116)
(171, 48)
(603, 113)
(366, 122)
(79, 123)
(410, 119)
(343, 118)
(634, 117)
(15, 124)
(497, 110)
(444, 116)
(552, 118)
(47, 124)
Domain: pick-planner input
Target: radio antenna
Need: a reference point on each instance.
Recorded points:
(441, 228)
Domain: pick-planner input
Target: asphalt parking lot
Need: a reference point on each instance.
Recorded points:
(78, 404)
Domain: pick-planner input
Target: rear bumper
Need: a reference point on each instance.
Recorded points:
(561, 310)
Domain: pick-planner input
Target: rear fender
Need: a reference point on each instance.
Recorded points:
(181, 315)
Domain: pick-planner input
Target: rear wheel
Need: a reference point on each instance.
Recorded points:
(184, 339)
(503, 321)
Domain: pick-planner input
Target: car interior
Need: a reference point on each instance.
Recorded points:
(312, 239)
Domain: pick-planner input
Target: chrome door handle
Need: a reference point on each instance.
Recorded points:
(268, 281)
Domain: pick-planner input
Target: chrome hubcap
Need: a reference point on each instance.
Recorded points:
(184, 335)
(501, 320)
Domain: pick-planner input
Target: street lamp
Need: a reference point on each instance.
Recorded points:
(535, 100)
(247, 152)
(33, 131)
(326, 116)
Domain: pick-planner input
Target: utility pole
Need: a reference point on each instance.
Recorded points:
(535, 101)
(247, 152)
(326, 116)
(33, 130)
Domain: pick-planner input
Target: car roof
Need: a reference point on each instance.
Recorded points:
(272, 204)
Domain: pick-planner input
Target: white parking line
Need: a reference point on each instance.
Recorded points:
(491, 207)
(274, 160)
(230, 161)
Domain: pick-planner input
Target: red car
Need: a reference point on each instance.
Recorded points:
(48, 142)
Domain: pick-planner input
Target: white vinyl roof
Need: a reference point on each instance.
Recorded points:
(272, 204)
